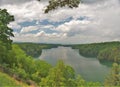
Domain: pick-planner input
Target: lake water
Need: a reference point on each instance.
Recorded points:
(89, 68)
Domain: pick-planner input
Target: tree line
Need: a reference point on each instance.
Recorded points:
(35, 49)
(106, 51)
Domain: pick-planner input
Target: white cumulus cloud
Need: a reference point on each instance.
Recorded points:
(92, 21)
(29, 29)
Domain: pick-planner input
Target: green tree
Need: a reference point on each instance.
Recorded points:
(5, 31)
(110, 54)
(3, 52)
(114, 78)
(80, 82)
(54, 4)
(58, 76)
(42, 67)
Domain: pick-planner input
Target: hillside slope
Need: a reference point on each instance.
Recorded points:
(7, 81)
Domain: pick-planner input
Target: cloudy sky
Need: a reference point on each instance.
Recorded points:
(92, 21)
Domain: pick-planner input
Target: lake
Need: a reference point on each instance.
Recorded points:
(89, 68)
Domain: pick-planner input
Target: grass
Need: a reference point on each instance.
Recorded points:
(7, 81)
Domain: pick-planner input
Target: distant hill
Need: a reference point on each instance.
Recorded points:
(35, 49)
(109, 51)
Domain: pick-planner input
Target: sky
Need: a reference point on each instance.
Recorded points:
(93, 21)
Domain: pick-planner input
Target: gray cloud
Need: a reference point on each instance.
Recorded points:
(3, 2)
(92, 1)
(13, 2)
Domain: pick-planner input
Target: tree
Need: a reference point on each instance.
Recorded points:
(5, 31)
(59, 76)
(114, 78)
(80, 81)
(54, 4)
(3, 51)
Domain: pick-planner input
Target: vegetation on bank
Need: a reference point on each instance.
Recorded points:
(23, 67)
(35, 72)
(107, 51)
(39, 73)
(7, 81)
(35, 49)
(113, 79)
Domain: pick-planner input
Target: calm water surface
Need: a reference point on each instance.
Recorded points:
(89, 68)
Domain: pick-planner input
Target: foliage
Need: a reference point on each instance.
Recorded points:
(110, 54)
(3, 52)
(114, 78)
(64, 76)
(25, 67)
(54, 4)
(30, 66)
(58, 76)
(103, 51)
(5, 31)
(7, 81)
(35, 49)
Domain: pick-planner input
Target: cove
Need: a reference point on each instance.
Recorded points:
(89, 68)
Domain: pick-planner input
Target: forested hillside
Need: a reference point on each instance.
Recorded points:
(36, 72)
(35, 49)
(109, 51)
(6, 81)
(39, 73)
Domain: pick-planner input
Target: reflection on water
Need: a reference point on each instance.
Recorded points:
(89, 68)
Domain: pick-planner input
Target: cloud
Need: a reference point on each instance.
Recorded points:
(92, 21)
(109, 19)
(73, 27)
(92, 1)
(4, 2)
(14, 25)
(28, 11)
(29, 29)
(52, 35)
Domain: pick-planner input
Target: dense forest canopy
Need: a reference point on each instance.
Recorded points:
(109, 51)
(35, 49)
